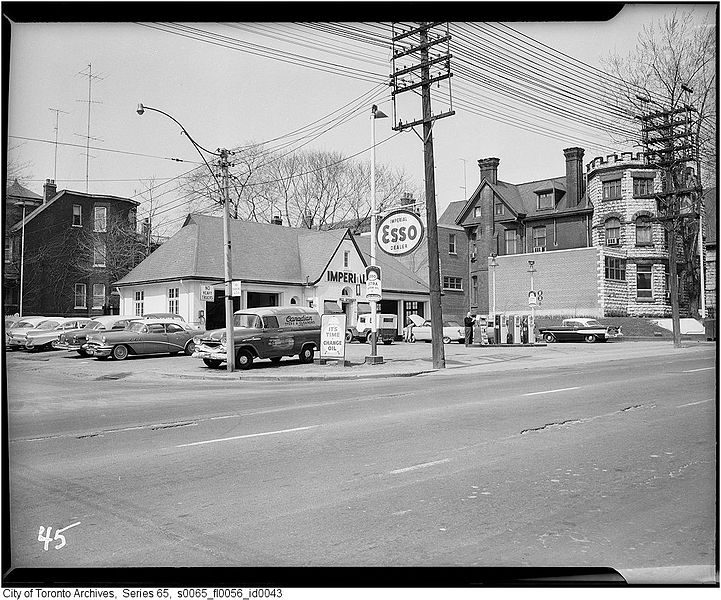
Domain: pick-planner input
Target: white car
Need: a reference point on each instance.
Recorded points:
(15, 335)
(45, 334)
(452, 331)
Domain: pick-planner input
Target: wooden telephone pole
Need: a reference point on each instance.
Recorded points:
(427, 38)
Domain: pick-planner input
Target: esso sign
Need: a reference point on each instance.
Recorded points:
(400, 232)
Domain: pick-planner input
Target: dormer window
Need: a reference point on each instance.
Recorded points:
(545, 200)
(477, 211)
(498, 208)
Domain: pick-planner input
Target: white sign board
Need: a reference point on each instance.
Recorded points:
(332, 336)
(207, 293)
(374, 291)
(235, 285)
(400, 232)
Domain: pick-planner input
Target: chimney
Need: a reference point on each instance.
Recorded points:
(489, 169)
(49, 190)
(575, 183)
(277, 220)
(308, 219)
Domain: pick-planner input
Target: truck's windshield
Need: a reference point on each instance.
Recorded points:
(247, 321)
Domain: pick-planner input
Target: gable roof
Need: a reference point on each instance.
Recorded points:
(448, 218)
(261, 252)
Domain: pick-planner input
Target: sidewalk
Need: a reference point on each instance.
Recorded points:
(409, 360)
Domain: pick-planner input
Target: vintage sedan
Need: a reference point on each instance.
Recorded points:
(147, 336)
(42, 337)
(452, 331)
(18, 323)
(73, 340)
(579, 330)
(15, 336)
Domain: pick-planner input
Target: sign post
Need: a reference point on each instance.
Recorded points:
(332, 338)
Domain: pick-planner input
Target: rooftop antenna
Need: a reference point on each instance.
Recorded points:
(89, 74)
(57, 112)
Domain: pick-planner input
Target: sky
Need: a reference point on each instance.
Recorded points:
(227, 98)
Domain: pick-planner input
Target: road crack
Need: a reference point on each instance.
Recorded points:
(569, 422)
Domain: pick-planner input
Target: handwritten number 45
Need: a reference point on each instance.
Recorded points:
(46, 539)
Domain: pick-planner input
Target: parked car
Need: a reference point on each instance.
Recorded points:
(577, 330)
(171, 316)
(43, 336)
(145, 336)
(387, 328)
(15, 336)
(267, 332)
(73, 340)
(452, 331)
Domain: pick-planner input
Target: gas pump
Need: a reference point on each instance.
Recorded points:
(516, 329)
(504, 329)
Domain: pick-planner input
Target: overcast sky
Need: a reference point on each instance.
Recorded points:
(226, 98)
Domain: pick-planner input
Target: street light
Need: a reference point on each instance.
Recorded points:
(374, 359)
(494, 264)
(22, 260)
(532, 324)
(223, 155)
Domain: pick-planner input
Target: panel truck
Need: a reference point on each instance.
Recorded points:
(387, 328)
(266, 332)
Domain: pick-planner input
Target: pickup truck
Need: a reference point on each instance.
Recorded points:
(577, 330)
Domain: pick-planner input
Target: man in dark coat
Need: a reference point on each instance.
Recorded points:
(468, 322)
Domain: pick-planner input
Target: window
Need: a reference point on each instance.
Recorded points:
(346, 259)
(510, 240)
(644, 289)
(101, 219)
(174, 300)
(77, 215)
(451, 243)
(453, 283)
(539, 237)
(612, 228)
(133, 218)
(80, 295)
(612, 189)
(8, 249)
(99, 253)
(98, 295)
(139, 303)
(643, 231)
(642, 186)
(270, 322)
(615, 268)
(498, 208)
(156, 328)
(474, 291)
(173, 328)
(545, 201)
(477, 211)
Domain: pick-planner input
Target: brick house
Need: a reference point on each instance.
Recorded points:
(711, 273)
(19, 201)
(69, 241)
(595, 247)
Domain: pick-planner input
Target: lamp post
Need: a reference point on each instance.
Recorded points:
(223, 187)
(374, 359)
(494, 264)
(532, 324)
(22, 261)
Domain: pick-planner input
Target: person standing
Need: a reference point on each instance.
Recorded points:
(468, 323)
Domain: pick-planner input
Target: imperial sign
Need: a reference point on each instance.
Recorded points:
(400, 232)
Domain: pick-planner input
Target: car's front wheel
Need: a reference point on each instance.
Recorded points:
(190, 347)
(244, 360)
(348, 336)
(446, 339)
(549, 337)
(213, 364)
(590, 339)
(120, 352)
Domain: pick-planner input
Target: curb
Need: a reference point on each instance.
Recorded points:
(290, 378)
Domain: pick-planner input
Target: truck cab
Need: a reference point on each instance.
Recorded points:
(387, 327)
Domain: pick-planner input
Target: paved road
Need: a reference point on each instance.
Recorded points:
(609, 463)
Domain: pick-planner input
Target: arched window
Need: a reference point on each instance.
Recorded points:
(294, 300)
(643, 231)
(613, 231)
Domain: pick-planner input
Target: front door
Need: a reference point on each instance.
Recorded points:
(177, 337)
(156, 340)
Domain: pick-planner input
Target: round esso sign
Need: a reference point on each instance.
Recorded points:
(400, 232)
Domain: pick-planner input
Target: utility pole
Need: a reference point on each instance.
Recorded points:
(229, 331)
(441, 63)
(668, 141)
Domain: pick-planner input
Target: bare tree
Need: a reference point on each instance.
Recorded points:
(674, 65)
(318, 189)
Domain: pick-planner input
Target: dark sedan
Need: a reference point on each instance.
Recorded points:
(143, 337)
